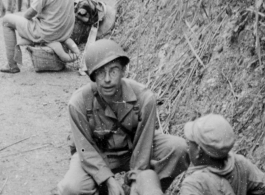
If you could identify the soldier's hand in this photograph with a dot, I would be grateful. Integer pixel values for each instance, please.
(114, 187)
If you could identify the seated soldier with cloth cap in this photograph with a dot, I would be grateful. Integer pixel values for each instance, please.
(113, 124)
(214, 169)
(217, 170)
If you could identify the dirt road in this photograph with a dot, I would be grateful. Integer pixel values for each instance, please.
(34, 106)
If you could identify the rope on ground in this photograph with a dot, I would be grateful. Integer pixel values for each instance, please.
(14, 144)
(26, 151)
(3, 186)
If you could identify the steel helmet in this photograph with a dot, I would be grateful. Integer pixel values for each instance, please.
(102, 52)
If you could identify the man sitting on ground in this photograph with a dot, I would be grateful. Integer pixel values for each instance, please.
(214, 170)
(113, 123)
(217, 170)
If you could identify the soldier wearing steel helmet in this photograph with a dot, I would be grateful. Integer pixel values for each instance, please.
(113, 124)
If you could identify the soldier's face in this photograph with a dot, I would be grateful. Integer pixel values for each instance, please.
(108, 78)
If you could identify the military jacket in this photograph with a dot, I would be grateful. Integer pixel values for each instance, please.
(137, 114)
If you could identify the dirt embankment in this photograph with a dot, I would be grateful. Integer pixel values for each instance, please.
(197, 57)
(201, 57)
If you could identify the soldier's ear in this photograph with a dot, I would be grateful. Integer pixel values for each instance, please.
(123, 69)
(200, 153)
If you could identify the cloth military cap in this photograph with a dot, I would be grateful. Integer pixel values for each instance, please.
(213, 133)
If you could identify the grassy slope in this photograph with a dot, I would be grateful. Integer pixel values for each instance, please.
(199, 57)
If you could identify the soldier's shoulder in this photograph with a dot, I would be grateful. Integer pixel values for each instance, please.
(133, 82)
(240, 158)
(77, 97)
(137, 87)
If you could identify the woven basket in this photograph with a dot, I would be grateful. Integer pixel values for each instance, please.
(44, 59)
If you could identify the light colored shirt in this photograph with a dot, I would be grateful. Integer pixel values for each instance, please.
(54, 21)
(239, 176)
(137, 114)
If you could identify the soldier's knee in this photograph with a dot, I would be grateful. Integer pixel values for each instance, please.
(75, 188)
(147, 182)
(7, 19)
(68, 189)
(147, 175)
(177, 144)
(181, 150)
(182, 145)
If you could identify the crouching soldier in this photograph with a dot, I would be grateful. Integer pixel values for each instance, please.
(113, 125)
(217, 170)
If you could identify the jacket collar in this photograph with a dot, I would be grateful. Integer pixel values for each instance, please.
(229, 166)
(128, 94)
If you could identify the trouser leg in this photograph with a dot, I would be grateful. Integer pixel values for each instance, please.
(10, 6)
(144, 183)
(170, 157)
(11, 23)
(10, 40)
(19, 5)
(28, 5)
(2, 9)
(76, 181)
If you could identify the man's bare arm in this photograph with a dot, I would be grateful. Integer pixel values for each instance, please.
(30, 13)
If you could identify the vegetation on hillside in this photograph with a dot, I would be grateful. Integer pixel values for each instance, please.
(200, 56)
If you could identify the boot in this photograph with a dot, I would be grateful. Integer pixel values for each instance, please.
(8, 69)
